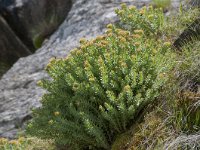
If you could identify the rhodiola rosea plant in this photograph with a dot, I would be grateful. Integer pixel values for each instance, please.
(97, 91)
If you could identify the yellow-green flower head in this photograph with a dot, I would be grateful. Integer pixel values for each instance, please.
(154, 51)
(109, 26)
(123, 33)
(83, 47)
(14, 142)
(91, 79)
(120, 12)
(79, 52)
(137, 44)
(151, 16)
(130, 16)
(73, 52)
(116, 10)
(50, 122)
(167, 44)
(150, 7)
(110, 34)
(123, 6)
(108, 31)
(57, 113)
(68, 57)
(3, 141)
(100, 37)
(75, 49)
(133, 57)
(139, 31)
(123, 64)
(100, 60)
(99, 45)
(138, 49)
(136, 36)
(132, 8)
(107, 55)
(86, 64)
(162, 75)
(143, 10)
(39, 83)
(83, 40)
(122, 39)
(104, 42)
(52, 60)
(21, 139)
(127, 88)
(75, 86)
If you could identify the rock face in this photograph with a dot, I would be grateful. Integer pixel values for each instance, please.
(195, 3)
(33, 20)
(11, 47)
(188, 35)
(18, 90)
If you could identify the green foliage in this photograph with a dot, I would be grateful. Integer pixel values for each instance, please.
(162, 3)
(3, 68)
(179, 21)
(26, 143)
(151, 133)
(187, 112)
(37, 41)
(149, 19)
(187, 108)
(98, 90)
(189, 62)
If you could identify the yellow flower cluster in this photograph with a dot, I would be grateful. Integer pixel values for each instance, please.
(50, 122)
(3, 141)
(57, 113)
(136, 36)
(83, 40)
(137, 44)
(127, 88)
(139, 32)
(132, 8)
(14, 142)
(123, 6)
(109, 26)
(167, 44)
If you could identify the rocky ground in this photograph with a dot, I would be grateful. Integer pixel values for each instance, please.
(18, 90)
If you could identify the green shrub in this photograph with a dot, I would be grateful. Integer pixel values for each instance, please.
(149, 19)
(98, 90)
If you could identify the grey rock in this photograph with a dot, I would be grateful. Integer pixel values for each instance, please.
(34, 20)
(11, 48)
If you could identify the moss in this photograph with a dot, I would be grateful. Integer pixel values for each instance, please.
(122, 141)
(37, 41)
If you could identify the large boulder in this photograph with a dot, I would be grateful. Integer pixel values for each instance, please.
(11, 47)
(190, 34)
(34, 20)
(195, 3)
